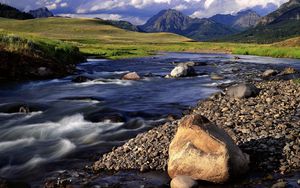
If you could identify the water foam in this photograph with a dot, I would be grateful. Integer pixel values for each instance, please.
(105, 82)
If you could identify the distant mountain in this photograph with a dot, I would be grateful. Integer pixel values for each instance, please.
(123, 25)
(241, 21)
(169, 20)
(175, 22)
(264, 10)
(279, 25)
(283, 9)
(13, 13)
(41, 13)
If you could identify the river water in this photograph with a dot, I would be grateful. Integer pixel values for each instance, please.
(67, 120)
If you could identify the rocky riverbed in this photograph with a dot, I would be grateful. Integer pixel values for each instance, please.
(267, 127)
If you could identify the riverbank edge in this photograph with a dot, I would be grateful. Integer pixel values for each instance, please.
(269, 177)
(32, 58)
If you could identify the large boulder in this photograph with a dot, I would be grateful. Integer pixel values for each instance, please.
(131, 76)
(203, 151)
(244, 90)
(183, 70)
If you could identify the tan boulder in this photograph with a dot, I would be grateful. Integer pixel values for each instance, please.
(203, 151)
(131, 76)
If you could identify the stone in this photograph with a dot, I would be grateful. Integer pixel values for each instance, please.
(131, 76)
(44, 71)
(282, 184)
(215, 76)
(203, 151)
(182, 70)
(183, 182)
(269, 72)
(289, 70)
(243, 90)
(81, 79)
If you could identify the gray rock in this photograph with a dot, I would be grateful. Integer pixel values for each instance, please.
(182, 70)
(44, 71)
(244, 90)
(269, 72)
(183, 182)
(282, 184)
(131, 76)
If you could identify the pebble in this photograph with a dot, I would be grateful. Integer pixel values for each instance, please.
(265, 127)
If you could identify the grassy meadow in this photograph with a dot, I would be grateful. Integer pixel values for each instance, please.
(95, 38)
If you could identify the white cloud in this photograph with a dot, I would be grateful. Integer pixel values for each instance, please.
(64, 5)
(133, 20)
(180, 7)
(142, 9)
(52, 6)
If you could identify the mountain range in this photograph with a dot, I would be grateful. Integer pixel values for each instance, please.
(241, 21)
(11, 12)
(279, 25)
(41, 13)
(176, 22)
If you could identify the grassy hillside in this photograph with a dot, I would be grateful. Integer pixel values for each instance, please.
(93, 37)
(31, 57)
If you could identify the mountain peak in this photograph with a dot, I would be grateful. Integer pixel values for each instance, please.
(42, 12)
(168, 20)
(283, 9)
(240, 21)
(174, 21)
(247, 11)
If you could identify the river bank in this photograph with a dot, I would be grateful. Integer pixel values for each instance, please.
(266, 127)
(32, 58)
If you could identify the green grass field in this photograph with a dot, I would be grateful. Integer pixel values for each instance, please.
(54, 50)
(95, 38)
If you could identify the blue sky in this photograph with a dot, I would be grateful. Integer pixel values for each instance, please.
(137, 11)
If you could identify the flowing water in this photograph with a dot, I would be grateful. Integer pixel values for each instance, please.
(67, 120)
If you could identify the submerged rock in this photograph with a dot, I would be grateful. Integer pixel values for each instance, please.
(215, 76)
(289, 70)
(183, 70)
(269, 72)
(131, 76)
(81, 79)
(183, 182)
(203, 151)
(22, 108)
(244, 90)
(44, 72)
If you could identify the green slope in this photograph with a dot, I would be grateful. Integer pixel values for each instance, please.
(24, 58)
(95, 38)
